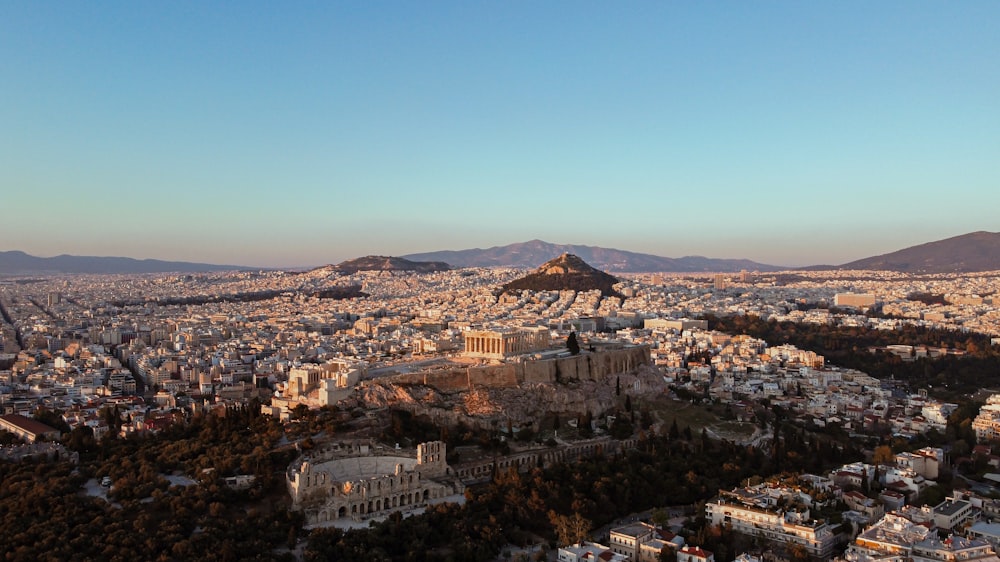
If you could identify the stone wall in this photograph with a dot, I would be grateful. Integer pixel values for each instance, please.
(482, 470)
(587, 365)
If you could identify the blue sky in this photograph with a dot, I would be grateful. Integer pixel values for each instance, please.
(281, 134)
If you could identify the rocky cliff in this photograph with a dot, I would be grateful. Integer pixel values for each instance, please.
(486, 396)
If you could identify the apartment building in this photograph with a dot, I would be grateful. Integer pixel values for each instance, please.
(749, 513)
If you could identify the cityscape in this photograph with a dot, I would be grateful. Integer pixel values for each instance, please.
(377, 392)
(560, 282)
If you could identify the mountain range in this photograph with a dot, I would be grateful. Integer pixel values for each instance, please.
(536, 252)
(20, 263)
(976, 251)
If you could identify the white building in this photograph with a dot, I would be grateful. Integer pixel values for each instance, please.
(751, 512)
(694, 554)
(987, 423)
(953, 549)
(589, 552)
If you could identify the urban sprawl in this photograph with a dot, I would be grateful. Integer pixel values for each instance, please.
(159, 349)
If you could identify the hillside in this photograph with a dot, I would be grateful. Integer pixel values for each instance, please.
(976, 251)
(566, 272)
(20, 263)
(386, 263)
(536, 252)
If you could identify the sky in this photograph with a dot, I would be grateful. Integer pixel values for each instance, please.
(291, 134)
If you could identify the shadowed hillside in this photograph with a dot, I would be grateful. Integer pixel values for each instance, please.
(567, 272)
(977, 251)
(385, 263)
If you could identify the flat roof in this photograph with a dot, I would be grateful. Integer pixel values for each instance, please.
(633, 529)
(951, 507)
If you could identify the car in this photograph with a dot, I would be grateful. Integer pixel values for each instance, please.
(106, 481)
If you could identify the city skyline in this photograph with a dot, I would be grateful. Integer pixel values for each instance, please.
(278, 137)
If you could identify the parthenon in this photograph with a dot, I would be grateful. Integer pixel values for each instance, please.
(499, 344)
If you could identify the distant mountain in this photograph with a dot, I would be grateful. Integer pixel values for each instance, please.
(536, 252)
(386, 263)
(977, 251)
(564, 273)
(20, 263)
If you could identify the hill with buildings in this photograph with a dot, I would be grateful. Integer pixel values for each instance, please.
(387, 263)
(536, 252)
(566, 272)
(976, 251)
(20, 263)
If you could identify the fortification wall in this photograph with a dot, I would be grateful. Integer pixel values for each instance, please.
(446, 380)
(593, 366)
(482, 470)
(500, 376)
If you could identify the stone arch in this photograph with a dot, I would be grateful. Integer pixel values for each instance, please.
(378, 505)
(342, 512)
(427, 494)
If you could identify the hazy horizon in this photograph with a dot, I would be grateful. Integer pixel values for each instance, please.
(296, 135)
(348, 257)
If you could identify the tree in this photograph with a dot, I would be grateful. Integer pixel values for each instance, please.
(883, 455)
(585, 423)
(571, 529)
(931, 495)
(572, 345)
(660, 517)
(52, 419)
(620, 428)
(674, 432)
(797, 552)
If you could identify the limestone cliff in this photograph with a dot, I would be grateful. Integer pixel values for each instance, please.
(487, 406)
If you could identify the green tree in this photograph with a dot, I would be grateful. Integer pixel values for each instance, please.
(52, 419)
(674, 431)
(660, 517)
